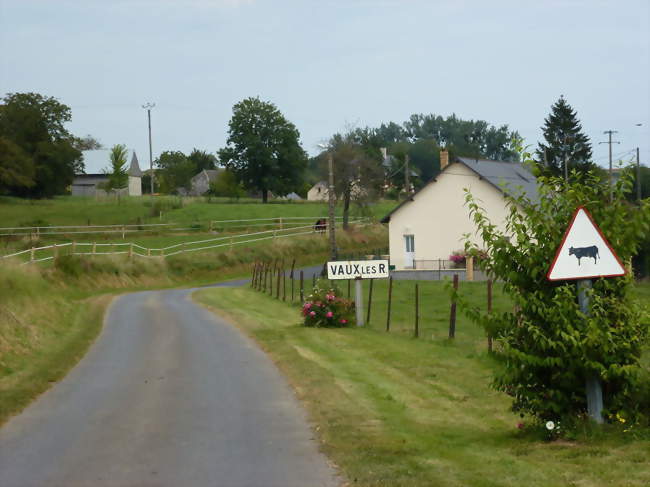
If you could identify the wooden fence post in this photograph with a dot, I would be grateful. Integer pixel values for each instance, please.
(390, 299)
(293, 264)
(302, 287)
(74, 247)
(469, 268)
(489, 309)
(94, 248)
(31, 255)
(131, 251)
(122, 233)
(416, 333)
(369, 303)
(56, 251)
(452, 314)
(284, 284)
(148, 252)
(313, 281)
(348, 288)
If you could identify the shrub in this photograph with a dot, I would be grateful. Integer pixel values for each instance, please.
(324, 308)
(547, 345)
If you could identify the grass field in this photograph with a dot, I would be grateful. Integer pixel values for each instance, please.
(397, 411)
(76, 210)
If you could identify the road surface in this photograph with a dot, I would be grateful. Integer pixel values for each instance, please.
(169, 395)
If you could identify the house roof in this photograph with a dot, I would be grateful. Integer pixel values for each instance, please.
(212, 173)
(511, 178)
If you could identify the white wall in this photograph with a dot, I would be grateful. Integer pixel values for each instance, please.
(135, 186)
(438, 216)
(315, 195)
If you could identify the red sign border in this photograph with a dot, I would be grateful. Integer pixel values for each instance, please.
(566, 234)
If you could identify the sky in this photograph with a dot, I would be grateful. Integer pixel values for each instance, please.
(329, 65)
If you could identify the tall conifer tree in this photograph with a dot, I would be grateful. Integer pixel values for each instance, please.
(564, 140)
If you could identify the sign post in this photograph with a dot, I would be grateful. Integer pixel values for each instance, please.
(358, 270)
(583, 255)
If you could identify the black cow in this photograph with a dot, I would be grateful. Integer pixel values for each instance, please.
(581, 252)
(320, 225)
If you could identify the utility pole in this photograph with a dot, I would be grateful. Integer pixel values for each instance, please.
(330, 199)
(407, 180)
(148, 106)
(638, 176)
(611, 177)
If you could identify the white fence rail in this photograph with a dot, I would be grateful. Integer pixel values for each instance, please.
(133, 249)
(123, 229)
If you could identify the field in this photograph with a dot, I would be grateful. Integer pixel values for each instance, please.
(397, 411)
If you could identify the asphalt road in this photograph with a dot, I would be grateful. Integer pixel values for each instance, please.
(169, 395)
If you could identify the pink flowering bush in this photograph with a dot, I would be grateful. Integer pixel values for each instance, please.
(458, 257)
(324, 307)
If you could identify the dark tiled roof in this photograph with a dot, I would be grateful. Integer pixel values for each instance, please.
(134, 169)
(511, 178)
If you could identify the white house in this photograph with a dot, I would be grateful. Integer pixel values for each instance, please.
(97, 166)
(318, 192)
(428, 227)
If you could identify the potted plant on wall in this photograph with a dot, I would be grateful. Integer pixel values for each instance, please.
(457, 259)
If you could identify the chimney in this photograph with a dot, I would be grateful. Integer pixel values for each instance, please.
(444, 158)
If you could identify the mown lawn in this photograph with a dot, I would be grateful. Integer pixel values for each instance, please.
(397, 411)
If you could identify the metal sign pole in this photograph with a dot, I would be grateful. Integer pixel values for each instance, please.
(593, 386)
(358, 301)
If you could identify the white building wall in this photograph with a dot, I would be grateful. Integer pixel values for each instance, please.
(135, 186)
(438, 217)
(317, 193)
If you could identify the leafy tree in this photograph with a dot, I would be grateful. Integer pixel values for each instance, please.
(176, 171)
(86, 143)
(564, 141)
(16, 167)
(118, 177)
(548, 346)
(227, 185)
(263, 149)
(472, 138)
(36, 125)
(202, 160)
(357, 175)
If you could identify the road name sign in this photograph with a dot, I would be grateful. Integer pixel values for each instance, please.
(584, 252)
(357, 269)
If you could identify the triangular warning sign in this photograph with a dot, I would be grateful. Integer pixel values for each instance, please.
(584, 252)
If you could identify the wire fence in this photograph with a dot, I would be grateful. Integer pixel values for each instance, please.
(35, 254)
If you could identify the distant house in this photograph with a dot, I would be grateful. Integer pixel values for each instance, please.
(97, 166)
(200, 184)
(427, 228)
(291, 197)
(318, 192)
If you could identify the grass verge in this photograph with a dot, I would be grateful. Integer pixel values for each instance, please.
(391, 410)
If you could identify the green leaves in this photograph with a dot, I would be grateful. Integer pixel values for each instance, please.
(263, 149)
(548, 346)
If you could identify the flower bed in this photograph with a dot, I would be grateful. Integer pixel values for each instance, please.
(325, 308)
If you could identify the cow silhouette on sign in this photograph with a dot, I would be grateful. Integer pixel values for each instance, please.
(580, 252)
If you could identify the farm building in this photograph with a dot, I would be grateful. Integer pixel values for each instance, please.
(427, 228)
(97, 165)
(318, 192)
(201, 182)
